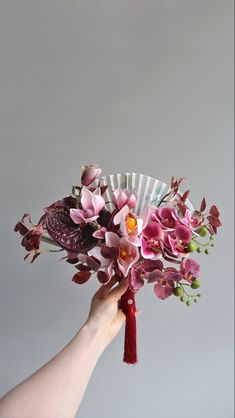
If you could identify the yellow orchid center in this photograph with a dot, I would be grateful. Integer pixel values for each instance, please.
(131, 223)
(123, 254)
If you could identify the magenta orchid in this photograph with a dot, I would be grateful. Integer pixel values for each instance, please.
(150, 241)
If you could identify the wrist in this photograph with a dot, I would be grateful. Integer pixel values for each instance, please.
(94, 337)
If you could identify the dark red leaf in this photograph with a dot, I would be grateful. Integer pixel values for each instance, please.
(35, 256)
(203, 205)
(82, 267)
(214, 221)
(93, 263)
(72, 260)
(21, 228)
(214, 211)
(109, 252)
(102, 277)
(81, 277)
(185, 195)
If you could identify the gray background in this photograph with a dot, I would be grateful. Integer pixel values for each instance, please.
(142, 86)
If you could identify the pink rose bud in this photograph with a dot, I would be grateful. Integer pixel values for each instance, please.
(90, 173)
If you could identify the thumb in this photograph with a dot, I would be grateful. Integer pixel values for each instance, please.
(119, 290)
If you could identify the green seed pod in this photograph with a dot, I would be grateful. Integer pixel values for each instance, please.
(195, 284)
(183, 298)
(207, 251)
(192, 246)
(199, 249)
(202, 231)
(178, 291)
(188, 303)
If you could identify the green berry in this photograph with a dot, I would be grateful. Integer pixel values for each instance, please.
(199, 295)
(183, 298)
(199, 249)
(207, 251)
(195, 284)
(188, 303)
(202, 231)
(192, 246)
(178, 291)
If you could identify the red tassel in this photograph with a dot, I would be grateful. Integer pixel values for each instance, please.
(129, 309)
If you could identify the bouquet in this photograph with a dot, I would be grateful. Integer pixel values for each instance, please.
(127, 225)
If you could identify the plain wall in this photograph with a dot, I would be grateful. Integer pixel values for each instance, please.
(143, 86)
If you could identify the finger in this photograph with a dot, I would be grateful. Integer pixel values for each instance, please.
(119, 290)
(105, 288)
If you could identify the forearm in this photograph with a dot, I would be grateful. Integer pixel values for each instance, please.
(56, 389)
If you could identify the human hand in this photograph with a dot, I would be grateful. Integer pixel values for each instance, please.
(105, 315)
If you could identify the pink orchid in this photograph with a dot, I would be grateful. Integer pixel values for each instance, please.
(150, 241)
(100, 233)
(118, 250)
(189, 269)
(130, 225)
(90, 174)
(124, 197)
(140, 271)
(137, 276)
(178, 243)
(167, 216)
(192, 219)
(91, 207)
(164, 281)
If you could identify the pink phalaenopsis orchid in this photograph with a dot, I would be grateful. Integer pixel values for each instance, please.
(190, 269)
(91, 207)
(150, 241)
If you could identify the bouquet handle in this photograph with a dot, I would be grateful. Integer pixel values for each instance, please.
(127, 304)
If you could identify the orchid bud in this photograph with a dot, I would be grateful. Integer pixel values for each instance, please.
(192, 246)
(207, 251)
(183, 298)
(195, 284)
(178, 291)
(202, 231)
(89, 174)
(188, 303)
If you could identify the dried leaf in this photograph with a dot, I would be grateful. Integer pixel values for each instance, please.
(203, 205)
(81, 277)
